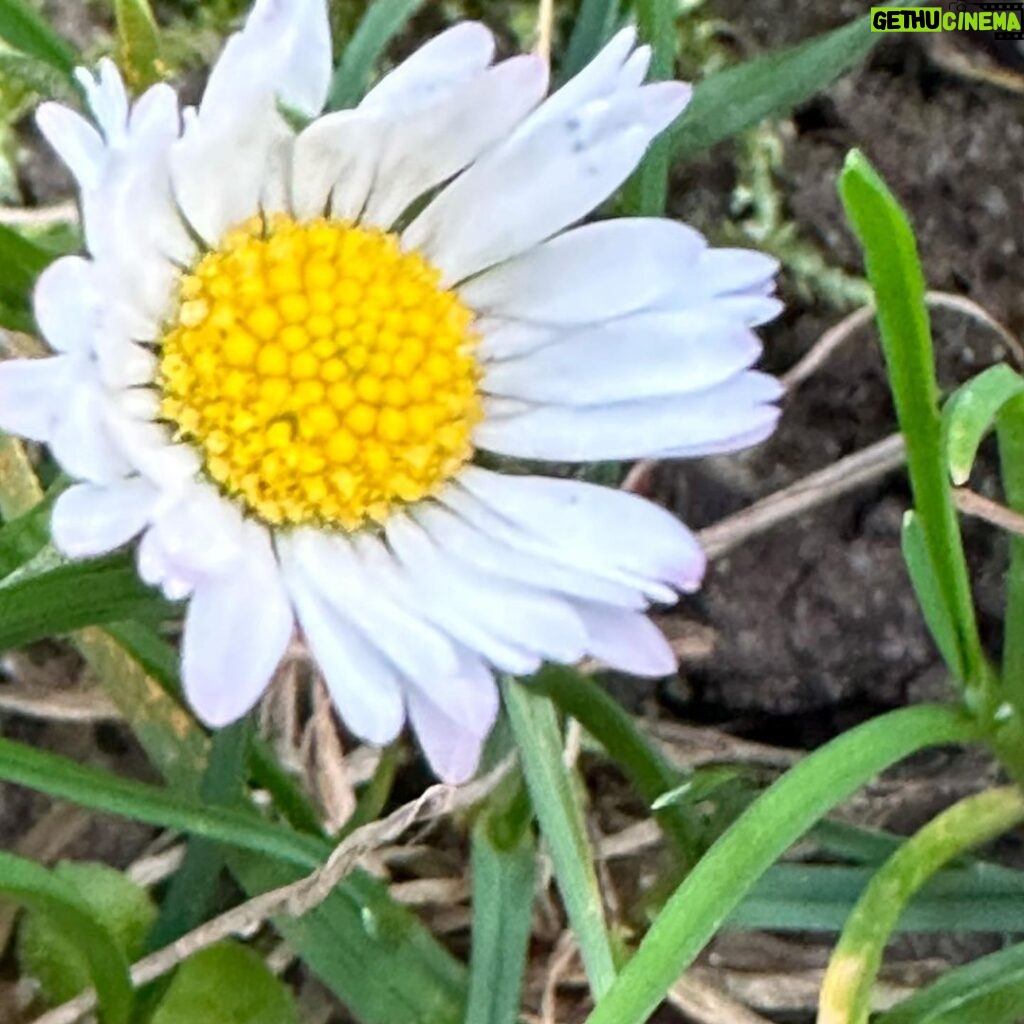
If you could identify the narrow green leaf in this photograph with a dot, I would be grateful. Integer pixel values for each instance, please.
(651, 774)
(138, 43)
(23, 538)
(647, 192)
(74, 596)
(503, 880)
(193, 887)
(383, 20)
(930, 596)
(98, 790)
(226, 984)
(590, 31)
(728, 102)
(23, 29)
(765, 830)
(819, 897)
(22, 261)
(857, 957)
(1010, 433)
(963, 993)
(972, 412)
(894, 270)
(539, 740)
(44, 893)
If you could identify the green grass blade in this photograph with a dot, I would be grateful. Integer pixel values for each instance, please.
(647, 191)
(1010, 432)
(590, 31)
(73, 596)
(22, 28)
(384, 19)
(938, 616)
(651, 774)
(22, 261)
(972, 412)
(857, 957)
(64, 779)
(894, 270)
(963, 994)
(193, 887)
(539, 741)
(503, 881)
(765, 830)
(23, 538)
(819, 897)
(43, 893)
(730, 101)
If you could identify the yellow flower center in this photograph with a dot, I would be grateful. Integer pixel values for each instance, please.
(322, 372)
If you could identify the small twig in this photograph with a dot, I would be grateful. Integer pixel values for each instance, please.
(58, 705)
(299, 897)
(39, 216)
(822, 350)
(973, 504)
(826, 485)
(708, 1005)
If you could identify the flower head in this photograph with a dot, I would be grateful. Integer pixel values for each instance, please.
(286, 347)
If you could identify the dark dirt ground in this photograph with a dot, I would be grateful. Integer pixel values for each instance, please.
(815, 625)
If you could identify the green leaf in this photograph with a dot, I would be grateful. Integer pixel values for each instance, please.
(964, 995)
(29, 32)
(652, 775)
(503, 881)
(226, 984)
(75, 595)
(728, 102)
(539, 740)
(50, 955)
(23, 261)
(37, 77)
(894, 270)
(819, 897)
(761, 834)
(857, 957)
(383, 20)
(647, 192)
(138, 43)
(42, 892)
(1010, 432)
(23, 538)
(930, 596)
(591, 29)
(971, 412)
(64, 779)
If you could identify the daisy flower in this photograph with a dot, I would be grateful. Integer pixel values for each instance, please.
(295, 333)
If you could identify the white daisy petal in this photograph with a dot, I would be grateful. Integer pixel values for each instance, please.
(32, 393)
(627, 641)
(331, 565)
(283, 53)
(81, 440)
(200, 534)
(426, 150)
(599, 79)
(68, 302)
(486, 552)
(89, 520)
(733, 443)
(648, 355)
(363, 684)
(452, 750)
(592, 273)
(449, 59)
(635, 429)
(75, 141)
(513, 627)
(107, 98)
(237, 627)
(606, 526)
(561, 162)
